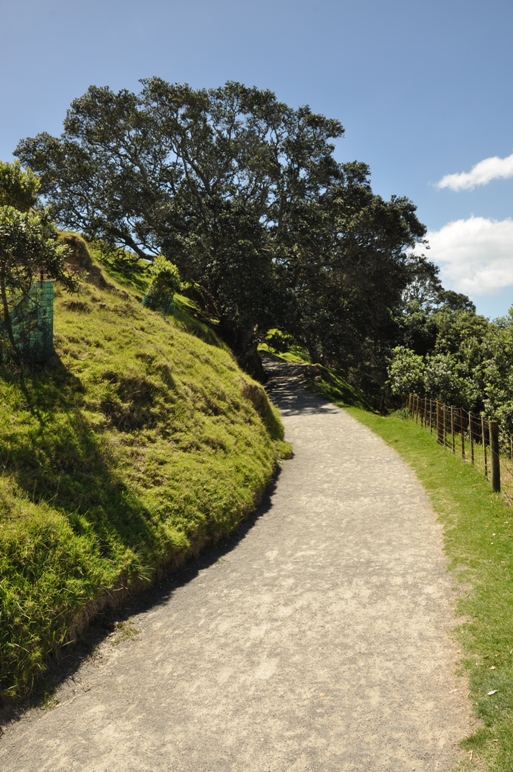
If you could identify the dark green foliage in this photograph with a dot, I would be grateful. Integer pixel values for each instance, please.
(244, 195)
(457, 356)
(350, 269)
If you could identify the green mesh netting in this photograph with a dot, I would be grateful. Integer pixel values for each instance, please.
(32, 324)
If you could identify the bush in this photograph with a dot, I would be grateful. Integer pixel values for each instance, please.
(165, 282)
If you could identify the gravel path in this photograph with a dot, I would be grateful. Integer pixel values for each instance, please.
(318, 640)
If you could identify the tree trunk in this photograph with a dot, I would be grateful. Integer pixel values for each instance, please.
(7, 319)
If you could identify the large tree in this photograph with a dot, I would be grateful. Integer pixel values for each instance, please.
(350, 267)
(244, 194)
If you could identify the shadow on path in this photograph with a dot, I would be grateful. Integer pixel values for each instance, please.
(286, 388)
(291, 398)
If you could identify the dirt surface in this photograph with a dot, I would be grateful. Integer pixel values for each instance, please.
(317, 639)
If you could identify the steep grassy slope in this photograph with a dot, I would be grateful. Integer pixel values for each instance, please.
(135, 446)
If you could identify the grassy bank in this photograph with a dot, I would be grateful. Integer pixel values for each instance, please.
(134, 447)
(478, 535)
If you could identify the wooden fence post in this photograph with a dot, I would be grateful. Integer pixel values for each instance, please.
(495, 463)
(483, 436)
(422, 408)
(439, 425)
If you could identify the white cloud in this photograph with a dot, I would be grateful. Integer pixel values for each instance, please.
(481, 174)
(475, 255)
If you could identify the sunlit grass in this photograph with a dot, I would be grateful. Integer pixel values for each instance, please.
(138, 444)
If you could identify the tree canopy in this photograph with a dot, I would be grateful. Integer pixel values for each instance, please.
(243, 193)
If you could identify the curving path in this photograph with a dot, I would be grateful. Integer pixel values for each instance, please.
(318, 640)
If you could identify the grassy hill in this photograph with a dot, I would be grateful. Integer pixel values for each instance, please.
(138, 444)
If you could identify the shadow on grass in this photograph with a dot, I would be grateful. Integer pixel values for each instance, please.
(56, 457)
(65, 663)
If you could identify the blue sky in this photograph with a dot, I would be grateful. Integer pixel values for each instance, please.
(423, 89)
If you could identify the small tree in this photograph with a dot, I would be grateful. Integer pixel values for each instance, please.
(28, 247)
(164, 284)
(406, 372)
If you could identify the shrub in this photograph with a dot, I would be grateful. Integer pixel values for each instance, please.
(165, 282)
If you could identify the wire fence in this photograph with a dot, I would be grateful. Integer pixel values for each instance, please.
(477, 439)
